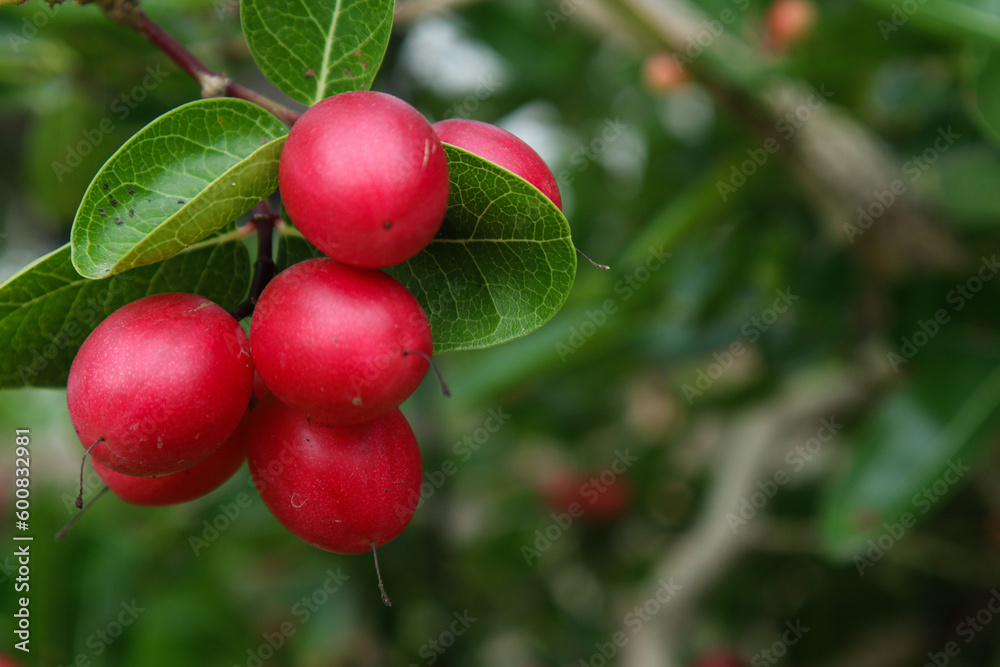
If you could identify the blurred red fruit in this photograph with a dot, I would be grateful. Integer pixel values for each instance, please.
(788, 22)
(662, 73)
(601, 496)
(721, 658)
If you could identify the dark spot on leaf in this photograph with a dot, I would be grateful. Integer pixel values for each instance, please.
(118, 221)
(310, 73)
(101, 211)
(106, 186)
(114, 202)
(180, 201)
(131, 191)
(131, 213)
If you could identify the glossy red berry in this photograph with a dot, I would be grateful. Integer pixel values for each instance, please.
(180, 487)
(162, 382)
(502, 148)
(364, 178)
(339, 488)
(339, 343)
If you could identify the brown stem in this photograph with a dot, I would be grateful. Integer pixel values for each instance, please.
(83, 462)
(213, 84)
(264, 218)
(385, 598)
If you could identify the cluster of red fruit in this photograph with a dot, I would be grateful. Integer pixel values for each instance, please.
(160, 393)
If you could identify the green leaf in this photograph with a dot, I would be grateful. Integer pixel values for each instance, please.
(47, 309)
(292, 249)
(312, 50)
(912, 450)
(184, 176)
(502, 264)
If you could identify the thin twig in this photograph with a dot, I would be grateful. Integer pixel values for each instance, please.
(64, 531)
(213, 84)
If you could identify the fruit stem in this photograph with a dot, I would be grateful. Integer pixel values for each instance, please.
(602, 267)
(83, 462)
(263, 218)
(385, 598)
(213, 84)
(65, 529)
(437, 372)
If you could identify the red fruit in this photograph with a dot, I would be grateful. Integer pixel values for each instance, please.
(180, 487)
(599, 499)
(339, 343)
(720, 658)
(336, 487)
(662, 73)
(788, 22)
(163, 380)
(260, 389)
(7, 661)
(364, 178)
(502, 148)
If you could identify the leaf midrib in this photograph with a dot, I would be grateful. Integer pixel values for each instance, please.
(330, 38)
